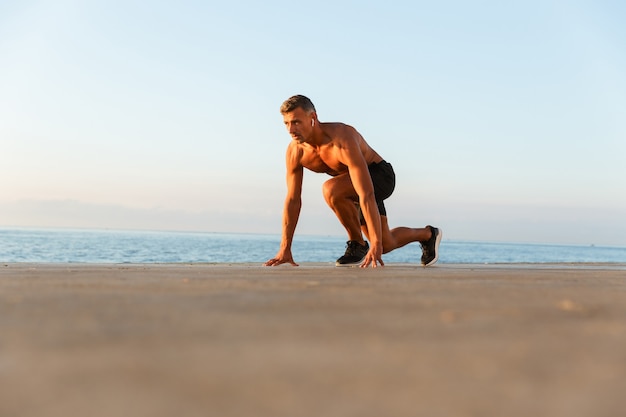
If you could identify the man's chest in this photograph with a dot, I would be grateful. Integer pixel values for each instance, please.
(322, 160)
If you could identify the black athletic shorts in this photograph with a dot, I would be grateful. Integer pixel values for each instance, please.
(384, 180)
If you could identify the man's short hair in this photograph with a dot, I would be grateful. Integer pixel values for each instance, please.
(294, 102)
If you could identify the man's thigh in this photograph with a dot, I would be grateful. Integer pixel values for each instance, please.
(340, 186)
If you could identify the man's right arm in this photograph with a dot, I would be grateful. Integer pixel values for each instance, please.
(293, 204)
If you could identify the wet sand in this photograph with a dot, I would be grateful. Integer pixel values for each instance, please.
(244, 340)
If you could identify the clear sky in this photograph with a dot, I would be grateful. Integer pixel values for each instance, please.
(505, 121)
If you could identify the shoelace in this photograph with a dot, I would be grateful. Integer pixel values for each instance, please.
(352, 247)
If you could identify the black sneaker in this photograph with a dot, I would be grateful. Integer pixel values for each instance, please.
(355, 254)
(430, 248)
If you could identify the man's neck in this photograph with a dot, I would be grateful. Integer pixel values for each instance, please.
(318, 137)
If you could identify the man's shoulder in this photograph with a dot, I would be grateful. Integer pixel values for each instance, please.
(340, 131)
(294, 148)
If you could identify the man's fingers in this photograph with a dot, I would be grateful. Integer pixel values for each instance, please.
(276, 262)
(372, 262)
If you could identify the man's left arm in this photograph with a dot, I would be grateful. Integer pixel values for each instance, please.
(362, 183)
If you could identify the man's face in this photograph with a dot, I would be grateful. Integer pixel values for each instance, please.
(299, 124)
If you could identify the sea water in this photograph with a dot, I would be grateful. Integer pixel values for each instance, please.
(114, 246)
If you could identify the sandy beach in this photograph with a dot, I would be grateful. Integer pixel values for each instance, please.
(245, 340)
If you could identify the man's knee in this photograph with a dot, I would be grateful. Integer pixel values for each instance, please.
(328, 189)
(333, 190)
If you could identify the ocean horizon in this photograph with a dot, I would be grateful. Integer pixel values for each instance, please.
(48, 245)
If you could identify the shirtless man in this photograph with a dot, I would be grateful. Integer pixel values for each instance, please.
(360, 181)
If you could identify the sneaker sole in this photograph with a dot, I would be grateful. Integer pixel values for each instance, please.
(350, 264)
(437, 241)
(347, 265)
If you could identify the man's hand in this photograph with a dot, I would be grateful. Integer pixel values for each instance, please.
(281, 258)
(373, 256)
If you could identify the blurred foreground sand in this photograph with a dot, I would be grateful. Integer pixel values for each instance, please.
(244, 340)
